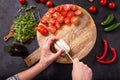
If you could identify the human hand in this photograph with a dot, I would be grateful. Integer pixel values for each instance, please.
(47, 56)
(81, 71)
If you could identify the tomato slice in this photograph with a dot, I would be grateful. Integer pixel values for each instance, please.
(75, 20)
(78, 12)
(42, 29)
(59, 8)
(56, 14)
(66, 20)
(48, 15)
(73, 8)
(51, 10)
(51, 21)
(52, 29)
(57, 24)
(60, 19)
(70, 14)
(43, 21)
(64, 13)
(67, 7)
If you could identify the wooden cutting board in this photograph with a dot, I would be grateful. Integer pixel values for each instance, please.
(80, 38)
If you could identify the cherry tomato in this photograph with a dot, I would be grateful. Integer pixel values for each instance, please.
(59, 8)
(43, 21)
(60, 19)
(64, 13)
(70, 13)
(78, 12)
(92, 9)
(56, 14)
(57, 24)
(111, 5)
(73, 8)
(51, 10)
(51, 21)
(42, 29)
(52, 29)
(43, 1)
(22, 1)
(48, 15)
(75, 20)
(103, 2)
(49, 3)
(66, 20)
(67, 7)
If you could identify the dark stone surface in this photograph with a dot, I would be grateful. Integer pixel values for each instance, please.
(10, 65)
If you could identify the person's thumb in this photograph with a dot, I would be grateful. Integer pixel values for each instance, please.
(59, 52)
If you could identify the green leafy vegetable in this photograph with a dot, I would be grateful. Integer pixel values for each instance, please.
(24, 27)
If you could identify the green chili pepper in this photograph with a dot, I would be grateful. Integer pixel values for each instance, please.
(108, 20)
(112, 27)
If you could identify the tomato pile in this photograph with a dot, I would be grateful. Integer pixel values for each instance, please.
(56, 17)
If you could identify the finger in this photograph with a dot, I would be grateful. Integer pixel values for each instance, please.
(51, 40)
(59, 52)
(76, 60)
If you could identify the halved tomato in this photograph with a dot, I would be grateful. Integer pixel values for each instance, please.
(42, 29)
(60, 19)
(52, 29)
(51, 21)
(66, 20)
(67, 7)
(57, 24)
(59, 8)
(48, 15)
(43, 21)
(51, 10)
(78, 12)
(75, 20)
(56, 14)
(63, 13)
(70, 13)
(73, 8)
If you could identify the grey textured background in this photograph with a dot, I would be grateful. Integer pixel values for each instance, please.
(10, 65)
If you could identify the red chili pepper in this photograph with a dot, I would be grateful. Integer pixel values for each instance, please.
(111, 60)
(105, 50)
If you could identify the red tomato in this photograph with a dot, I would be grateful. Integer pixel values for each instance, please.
(60, 19)
(22, 1)
(64, 13)
(49, 3)
(56, 14)
(59, 8)
(43, 1)
(66, 20)
(42, 29)
(48, 15)
(67, 7)
(103, 2)
(78, 12)
(51, 21)
(75, 20)
(57, 24)
(43, 21)
(70, 13)
(111, 5)
(51, 10)
(73, 8)
(52, 29)
(92, 9)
